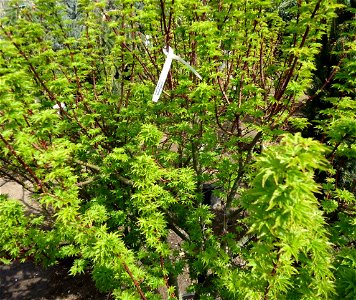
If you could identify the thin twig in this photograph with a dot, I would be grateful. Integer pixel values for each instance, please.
(136, 283)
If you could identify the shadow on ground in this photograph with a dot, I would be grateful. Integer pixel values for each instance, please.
(26, 281)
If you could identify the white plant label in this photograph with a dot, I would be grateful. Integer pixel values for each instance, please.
(164, 73)
(59, 107)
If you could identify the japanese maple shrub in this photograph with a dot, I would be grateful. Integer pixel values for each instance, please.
(114, 176)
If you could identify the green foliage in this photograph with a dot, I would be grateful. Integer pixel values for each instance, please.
(13, 228)
(338, 127)
(292, 249)
(346, 274)
(115, 177)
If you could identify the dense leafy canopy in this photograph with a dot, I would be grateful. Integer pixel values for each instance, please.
(114, 176)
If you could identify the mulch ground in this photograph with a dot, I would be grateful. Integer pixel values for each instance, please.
(26, 281)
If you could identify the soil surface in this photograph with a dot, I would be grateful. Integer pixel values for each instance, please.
(26, 281)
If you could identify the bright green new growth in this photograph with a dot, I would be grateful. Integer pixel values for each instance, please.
(291, 257)
(114, 176)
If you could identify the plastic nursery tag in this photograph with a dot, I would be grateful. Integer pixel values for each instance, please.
(164, 73)
(59, 107)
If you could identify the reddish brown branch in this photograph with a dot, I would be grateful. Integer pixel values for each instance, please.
(32, 68)
(172, 295)
(221, 86)
(273, 273)
(279, 93)
(22, 162)
(263, 81)
(136, 283)
(328, 80)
